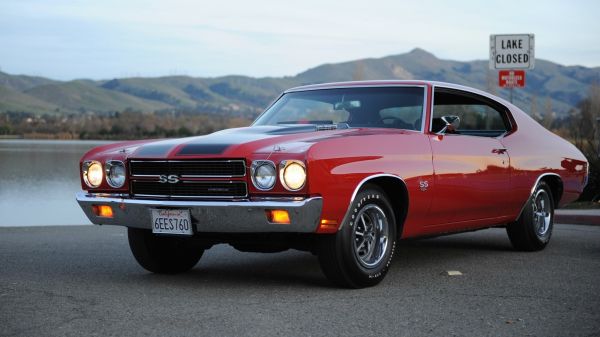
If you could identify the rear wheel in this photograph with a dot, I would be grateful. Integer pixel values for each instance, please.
(360, 253)
(533, 229)
(164, 254)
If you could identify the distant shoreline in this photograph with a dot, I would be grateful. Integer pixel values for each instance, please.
(57, 141)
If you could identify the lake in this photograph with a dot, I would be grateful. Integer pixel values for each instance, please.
(38, 182)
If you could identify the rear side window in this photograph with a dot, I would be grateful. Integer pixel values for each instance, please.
(478, 115)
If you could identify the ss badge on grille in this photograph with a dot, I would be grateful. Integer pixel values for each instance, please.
(171, 179)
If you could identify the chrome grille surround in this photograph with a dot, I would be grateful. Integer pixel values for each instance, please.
(188, 179)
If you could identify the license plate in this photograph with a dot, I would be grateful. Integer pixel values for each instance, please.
(171, 221)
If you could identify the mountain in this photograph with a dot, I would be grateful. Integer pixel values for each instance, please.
(549, 86)
(82, 95)
(12, 100)
(22, 82)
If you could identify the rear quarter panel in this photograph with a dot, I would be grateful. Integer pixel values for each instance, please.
(533, 151)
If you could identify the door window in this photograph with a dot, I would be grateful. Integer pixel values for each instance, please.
(478, 115)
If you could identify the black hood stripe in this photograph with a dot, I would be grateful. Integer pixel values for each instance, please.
(192, 149)
(218, 142)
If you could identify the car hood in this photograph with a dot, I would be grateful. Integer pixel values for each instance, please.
(238, 142)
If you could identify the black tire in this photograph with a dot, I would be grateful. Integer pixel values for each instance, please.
(339, 256)
(164, 254)
(533, 229)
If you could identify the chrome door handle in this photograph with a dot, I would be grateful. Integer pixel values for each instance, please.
(499, 151)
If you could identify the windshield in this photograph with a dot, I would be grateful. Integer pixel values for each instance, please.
(384, 107)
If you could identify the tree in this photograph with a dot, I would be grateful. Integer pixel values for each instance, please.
(585, 134)
(359, 71)
(548, 116)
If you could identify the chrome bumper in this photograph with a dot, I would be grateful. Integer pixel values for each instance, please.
(209, 216)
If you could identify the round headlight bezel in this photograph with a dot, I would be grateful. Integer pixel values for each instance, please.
(257, 167)
(115, 165)
(284, 166)
(86, 168)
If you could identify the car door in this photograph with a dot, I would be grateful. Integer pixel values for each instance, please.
(471, 166)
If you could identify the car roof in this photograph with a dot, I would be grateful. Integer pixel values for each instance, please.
(391, 83)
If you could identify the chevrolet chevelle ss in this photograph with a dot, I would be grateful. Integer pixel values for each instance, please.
(343, 170)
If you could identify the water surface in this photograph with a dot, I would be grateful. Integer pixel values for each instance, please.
(38, 182)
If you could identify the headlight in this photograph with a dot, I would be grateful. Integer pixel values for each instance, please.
(92, 173)
(292, 174)
(115, 173)
(263, 174)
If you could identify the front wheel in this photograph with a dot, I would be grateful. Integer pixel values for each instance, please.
(533, 229)
(164, 254)
(360, 253)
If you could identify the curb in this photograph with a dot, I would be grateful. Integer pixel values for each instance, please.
(577, 219)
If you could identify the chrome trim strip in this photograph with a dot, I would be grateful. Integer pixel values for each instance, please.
(587, 175)
(212, 182)
(190, 161)
(434, 86)
(533, 191)
(278, 198)
(209, 216)
(375, 84)
(424, 114)
(190, 197)
(200, 176)
(359, 186)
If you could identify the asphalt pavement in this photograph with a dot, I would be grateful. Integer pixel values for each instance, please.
(83, 281)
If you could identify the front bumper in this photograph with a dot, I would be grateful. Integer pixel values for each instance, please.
(209, 216)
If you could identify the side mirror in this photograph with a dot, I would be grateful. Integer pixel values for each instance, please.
(452, 123)
(346, 105)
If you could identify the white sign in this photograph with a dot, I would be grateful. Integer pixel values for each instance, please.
(512, 51)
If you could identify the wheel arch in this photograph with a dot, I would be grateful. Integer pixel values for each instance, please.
(396, 191)
(556, 188)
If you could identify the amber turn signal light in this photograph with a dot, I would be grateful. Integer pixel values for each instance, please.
(278, 216)
(104, 211)
(328, 226)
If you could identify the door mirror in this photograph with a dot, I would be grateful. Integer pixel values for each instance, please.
(451, 124)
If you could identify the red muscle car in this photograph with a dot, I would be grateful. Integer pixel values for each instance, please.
(343, 170)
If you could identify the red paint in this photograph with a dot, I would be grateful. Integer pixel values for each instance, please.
(470, 181)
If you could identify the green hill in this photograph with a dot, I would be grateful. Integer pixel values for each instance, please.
(84, 96)
(11, 100)
(563, 86)
(22, 82)
(549, 84)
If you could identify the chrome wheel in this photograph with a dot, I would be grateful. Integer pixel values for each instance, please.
(542, 212)
(370, 235)
(533, 228)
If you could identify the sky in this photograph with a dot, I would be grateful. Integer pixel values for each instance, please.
(110, 38)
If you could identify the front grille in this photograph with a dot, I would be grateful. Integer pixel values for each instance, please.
(189, 168)
(201, 179)
(186, 189)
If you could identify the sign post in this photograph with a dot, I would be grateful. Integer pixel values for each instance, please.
(598, 128)
(515, 53)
